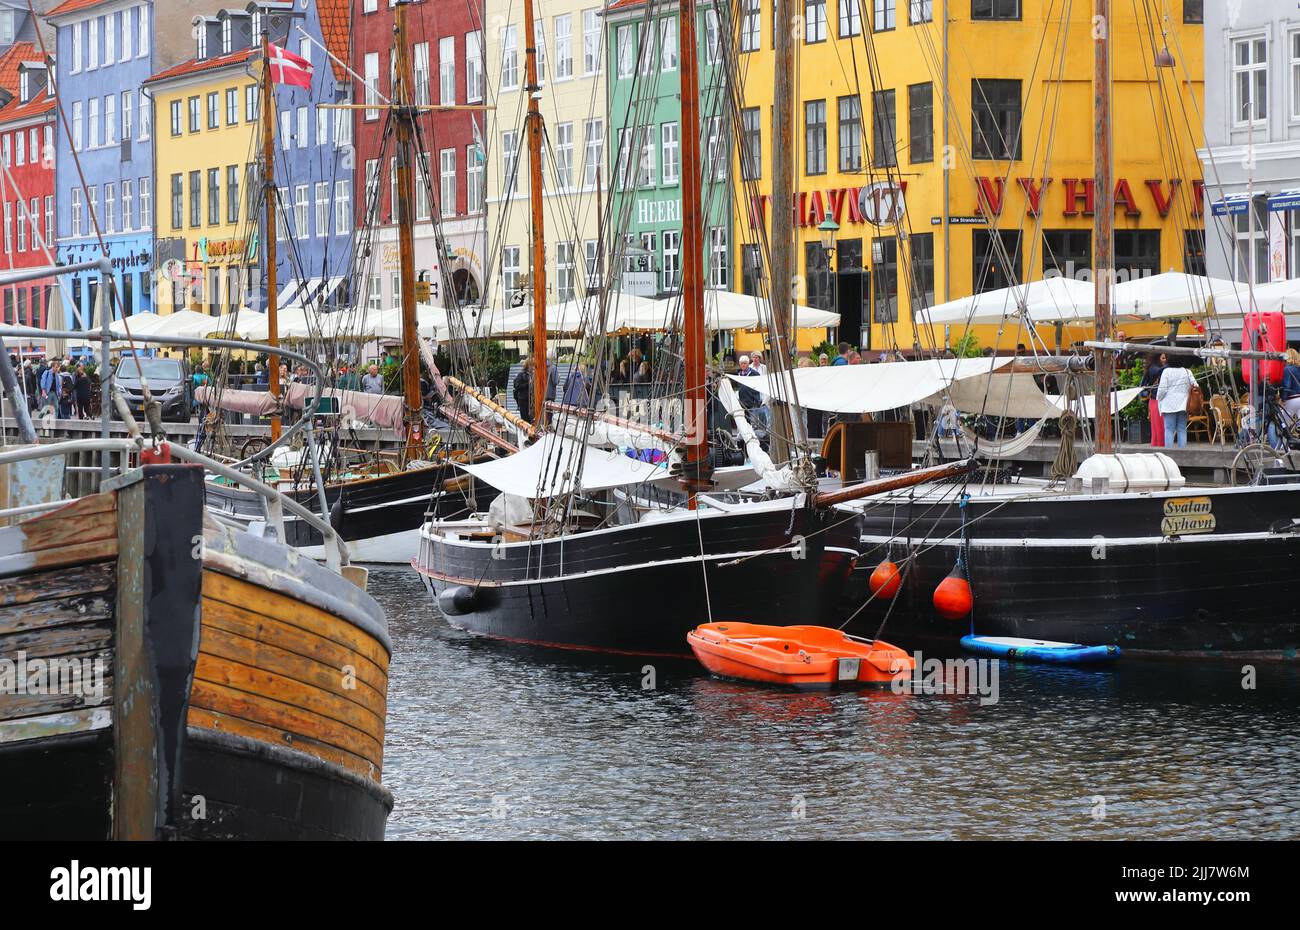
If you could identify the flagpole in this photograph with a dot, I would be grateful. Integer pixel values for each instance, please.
(268, 186)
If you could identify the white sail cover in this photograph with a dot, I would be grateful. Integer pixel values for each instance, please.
(548, 469)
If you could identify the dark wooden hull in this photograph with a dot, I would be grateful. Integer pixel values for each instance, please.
(639, 589)
(1100, 570)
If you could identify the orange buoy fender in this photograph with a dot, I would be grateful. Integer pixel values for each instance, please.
(953, 598)
(885, 580)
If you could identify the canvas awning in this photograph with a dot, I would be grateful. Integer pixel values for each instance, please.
(1235, 204)
(1286, 200)
(549, 468)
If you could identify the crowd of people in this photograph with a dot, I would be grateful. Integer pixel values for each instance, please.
(62, 387)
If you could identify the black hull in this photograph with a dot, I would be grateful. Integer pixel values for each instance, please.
(61, 789)
(1100, 571)
(638, 590)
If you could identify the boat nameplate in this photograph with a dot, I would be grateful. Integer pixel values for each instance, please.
(1184, 516)
(847, 669)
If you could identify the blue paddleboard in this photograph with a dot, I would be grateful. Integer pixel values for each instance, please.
(1039, 650)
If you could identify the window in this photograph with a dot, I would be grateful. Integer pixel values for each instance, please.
(146, 115)
(142, 46)
(1137, 254)
(49, 219)
(510, 162)
(74, 212)
(920, 11)
(624, 156)
(423, 188)
(814, 151)
(1194, 11)
(711, 36)
(850, 21)
(322, 209)
(1067, 253)
(447, 177)
(214, 113)
(591, 264)
(883, 16)
(342, 207)
(304, 128)
(995, 119)
(110, 208)
(716, 151)
(1249, 81)
(447, 70)
(302, 210)
(668, 44)
(420, 73)
(884, 280)
(232, 193)
(814, 16)
(850, 134)
(751, 270)
(593, 133)
(343, 124)
(178, 202)
(322, 125)
(196, 198)
(474, 67)
(1295, 75)
(995, 9)
(564, 270)
(127, 35)
(991, 251)
(751, 144)
(563, 47)
(920, 123)
(194, 113)
(214, 196)
(646, 165)
(647, 51)
(146, 203)
(76, 125)
(128, 204)
(672, 263)
(564, 155)
(22, 227)
(884, 133)
(539, 42)
(474, 190)
(719, 269)
(110, 119)
(371, 68)
(1250, 256)
(20, 148)
(626, 42)
(93, 138)
(110, 38)
(203, 40)
(76, 48)
(591, 44)
(509, 58)
(92, 45)
(286, 130)
(128, 109)
(922, 248)
(510, 269)
(671, 156)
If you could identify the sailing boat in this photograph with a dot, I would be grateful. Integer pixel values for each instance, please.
(540, 567)
(377, 514)
(1126, 554)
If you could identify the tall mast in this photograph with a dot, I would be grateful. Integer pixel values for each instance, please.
(534, 122)
(405, 113)
(782, 238)
(1103, 224)
(695, 471)
(268, 186)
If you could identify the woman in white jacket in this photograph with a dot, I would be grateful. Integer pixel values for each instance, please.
(1175, 386)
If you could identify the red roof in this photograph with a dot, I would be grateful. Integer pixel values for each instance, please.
(335, 25)
(200, 65)
(623, 4)
(12, 57)
(14, 111)
(71, 6)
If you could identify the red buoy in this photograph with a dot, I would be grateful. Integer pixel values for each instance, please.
(885, 580)
(952, 598)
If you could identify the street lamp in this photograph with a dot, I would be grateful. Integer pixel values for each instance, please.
(828, 228)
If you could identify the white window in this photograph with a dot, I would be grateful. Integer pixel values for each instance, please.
(1295, 75)
(110, 38)
(302, 210)
(372, 84)
(668, 44)
(20, 148)
(146, 203)
(127, 35)
(110, 208)
(9, 227)
(624, 156)
(343, 124)
(921, 11)
(146, 115)
(128, 205)
(591, 252)
(1249, 80)
(92, 44)
(6, 153)
(473, 179)
(539, 42)
(342, 207)
(563, 47)
(304, 45)
(375, 293)
(672, 258)
(474, 67)
(128, 111)
(92, 121)
(510, 162)
(423, 189)
(142, 47)
(672, 158)
(718, 261)
(646, 164)
(509, 269)
(626, 50)
(850, 18)
(564, 155)
(370, 6)
(447, 177)
(814, 20)
(110, 119)
(509, 58)
(883, 15)
(711, 35)
(322, 209)
(304, 128)
(322, 126)
(34, 207)
(74, 213)
(92, 205)
(372, 187)
(647, 50)
(420, 72)
(751, 25)
(591, 42)
(447, 70)
(22, 226)
(594, 139)
(1251, 260)
(564, 270)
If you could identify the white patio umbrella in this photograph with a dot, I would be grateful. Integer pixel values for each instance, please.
(727, 310)
(1052, 300)
(1172, 293)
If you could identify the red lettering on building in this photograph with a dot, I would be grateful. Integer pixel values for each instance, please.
(836, 199)
(1124, 195)
(1074, 196)
(801, 209)
(1198, 198)
(1034, 193)
(758, 210)
(855, 208)
(1157, 189)
(989, 196)
(816, 209)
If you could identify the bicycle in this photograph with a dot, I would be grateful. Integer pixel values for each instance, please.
(1275, 448)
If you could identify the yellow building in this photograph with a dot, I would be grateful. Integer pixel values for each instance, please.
(1003, 171)
(207, 141)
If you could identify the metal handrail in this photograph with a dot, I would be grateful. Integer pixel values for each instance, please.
(336, 552)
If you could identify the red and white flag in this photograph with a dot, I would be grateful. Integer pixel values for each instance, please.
(288, 68)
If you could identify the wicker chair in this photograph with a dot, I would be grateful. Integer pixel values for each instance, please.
(1225, 427)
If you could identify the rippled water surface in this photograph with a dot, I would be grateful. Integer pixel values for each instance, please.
(494, 741)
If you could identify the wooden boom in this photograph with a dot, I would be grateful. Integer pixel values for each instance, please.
(894, 483)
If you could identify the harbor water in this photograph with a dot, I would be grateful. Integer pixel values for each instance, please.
(488, 740)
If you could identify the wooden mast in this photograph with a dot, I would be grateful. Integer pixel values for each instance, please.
(1103, 225)
(538, 279)
(268, 186)
(405, 112)
(782, 238)
(696, 467)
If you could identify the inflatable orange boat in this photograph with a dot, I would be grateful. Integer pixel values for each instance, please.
(805, 657)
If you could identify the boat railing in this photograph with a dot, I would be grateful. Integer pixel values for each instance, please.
(336, 552)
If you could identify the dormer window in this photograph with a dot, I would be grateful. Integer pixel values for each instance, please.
(24, 87)
(203, 42)
(226, 36)
(257, 26)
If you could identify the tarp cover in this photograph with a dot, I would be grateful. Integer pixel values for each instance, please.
(548, 469)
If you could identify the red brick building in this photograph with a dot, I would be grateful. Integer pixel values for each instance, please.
(446, 51)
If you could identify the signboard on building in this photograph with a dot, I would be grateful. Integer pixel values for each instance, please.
(640, 283)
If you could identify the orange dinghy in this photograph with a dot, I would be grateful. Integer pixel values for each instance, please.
(806, 657)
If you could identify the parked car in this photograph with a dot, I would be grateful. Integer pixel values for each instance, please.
(169, 383)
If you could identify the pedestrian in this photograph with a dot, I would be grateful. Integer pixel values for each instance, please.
(1155, 366)
(199, 377)
(855, 358)
(756, 362)
(372, 382)
(66, 387)
(523, 390)
(1291, 386)
(1175, 388)
(31, 385)
(576, 387)
(843, 357)
(823, 360)
(750, 398)
(552, 376)
(81, 393)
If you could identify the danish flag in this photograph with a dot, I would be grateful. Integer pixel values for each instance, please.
(288, 68)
